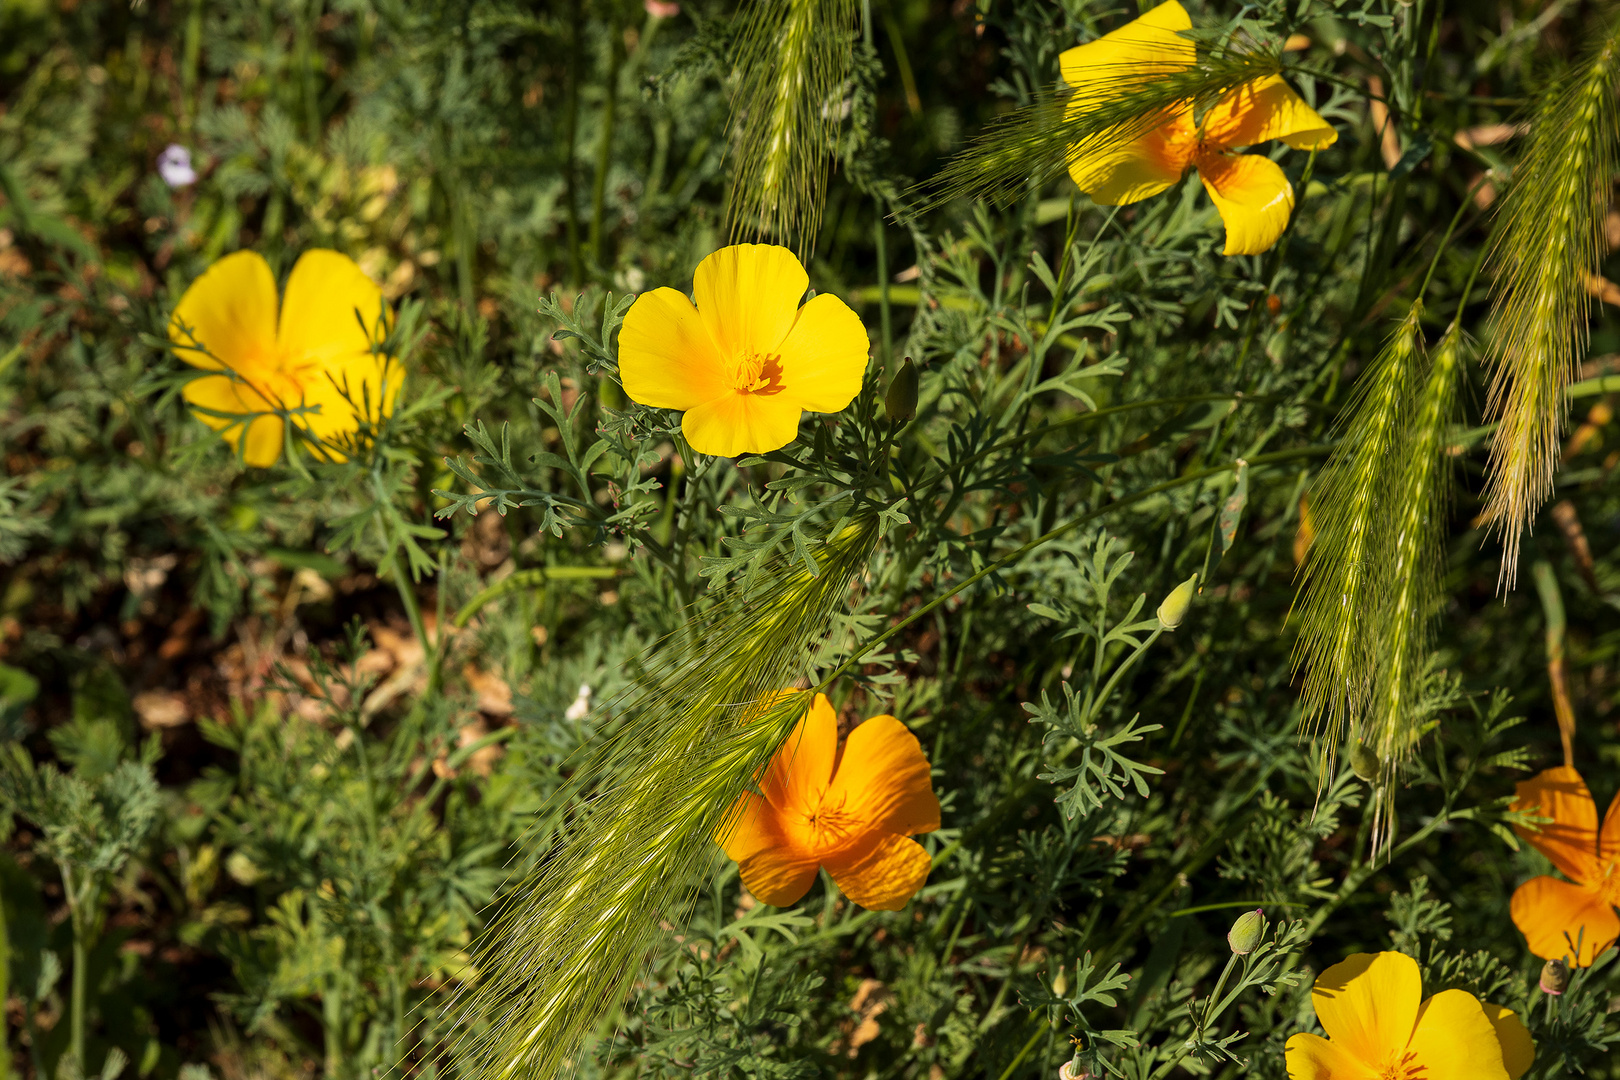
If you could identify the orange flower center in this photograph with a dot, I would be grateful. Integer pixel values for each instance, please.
(758, 373)
(829, 827)
(1403, 1068)
(1609, 884)
(280, 376)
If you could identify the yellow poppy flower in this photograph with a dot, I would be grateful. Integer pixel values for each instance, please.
(1379, 1029)
(1552, 913)
(311, 364)
(852, 809)
(1251, 193)
(747, 360)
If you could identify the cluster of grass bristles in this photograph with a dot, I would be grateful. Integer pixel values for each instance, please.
(792, 60)
(566, 945)
(1372, 579)
(1549, 241)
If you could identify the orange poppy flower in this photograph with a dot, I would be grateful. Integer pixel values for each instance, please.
(314, 364)
(1552, 913)
(1251, 193)
(850, 808)
(748, 360)
(1380, 1027)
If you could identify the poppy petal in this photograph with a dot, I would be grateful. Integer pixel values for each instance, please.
(799, 773)
(881, 872)
(883, 779)
(751, 827)
(1253, 196)
(824, 356)
(736, 423)
(231, 406)
(1546, 910)
(1570, 839)
(748, 296)
(1148, 45)
(1609, 837)
(1518, 1051)
(1115, 173)
(1311, 1057)
(1266, 109)
(359, 385)
(230, 311)
(1455, 1040)
(779, 875)
(331, 311)
(1368, 1003)
(667, 357)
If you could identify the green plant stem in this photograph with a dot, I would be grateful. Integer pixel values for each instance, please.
(884, 316)
(191, 58)
(1024, 1053)
(1434, 264)
(604, 143)
(576, 22)
(5, 989)
(81, 899)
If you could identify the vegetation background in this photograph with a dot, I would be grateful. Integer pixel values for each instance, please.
(276, 737)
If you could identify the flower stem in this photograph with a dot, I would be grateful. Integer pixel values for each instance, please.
(604, 143)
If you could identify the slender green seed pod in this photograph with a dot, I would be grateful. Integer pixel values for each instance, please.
(567, 943)
(1342, 593)
(1548, 241)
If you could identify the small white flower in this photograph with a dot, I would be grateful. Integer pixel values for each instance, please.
(174, 165)
(581, 705)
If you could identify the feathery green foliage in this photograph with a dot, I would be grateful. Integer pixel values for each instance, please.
(1344, 580)
(1035, 143)
(368, 696)
(1548, 241)
(568, 942)
(792, 60)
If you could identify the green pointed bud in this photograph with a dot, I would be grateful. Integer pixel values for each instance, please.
(901, 402)
(1554, 977)
(1174, 608)
(1365, 764)
(1245, 935)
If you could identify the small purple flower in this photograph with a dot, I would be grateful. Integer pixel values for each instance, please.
(174, 165)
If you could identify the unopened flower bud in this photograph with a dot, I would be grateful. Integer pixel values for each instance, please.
(1245, 935)
(1554, 977)
(1060, 983)
(1174, 607)
(1365, 764)
(1073, 1070)
(901, 401)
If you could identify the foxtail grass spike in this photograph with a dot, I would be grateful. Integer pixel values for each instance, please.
(1342, 591)
(1548, 241)
(566, 944)
(1037, 142)
(793, 60)
(1414, 555)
